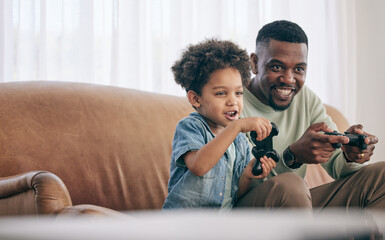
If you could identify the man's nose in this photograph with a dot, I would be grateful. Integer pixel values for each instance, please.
(287, 77)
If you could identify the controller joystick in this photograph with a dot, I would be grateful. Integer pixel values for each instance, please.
(262, 148)
(355, 139)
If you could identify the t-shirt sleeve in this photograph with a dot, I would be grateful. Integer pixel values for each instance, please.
(189, 136)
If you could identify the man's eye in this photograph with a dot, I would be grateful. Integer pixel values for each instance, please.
(299, 69)
(220, 93)
(239, 93)
(276, 68)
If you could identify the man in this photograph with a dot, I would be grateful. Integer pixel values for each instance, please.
(277, 92)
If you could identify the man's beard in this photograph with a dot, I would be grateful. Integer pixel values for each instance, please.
(276, 107)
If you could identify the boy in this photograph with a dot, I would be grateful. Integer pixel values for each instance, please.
(210, 162)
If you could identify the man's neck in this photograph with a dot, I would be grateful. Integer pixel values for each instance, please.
(256, 91)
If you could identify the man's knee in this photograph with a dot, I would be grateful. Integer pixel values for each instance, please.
(373, 172)
(288, 180)
(371, 185)
(375, 168)
(284, 190)
(292, 189)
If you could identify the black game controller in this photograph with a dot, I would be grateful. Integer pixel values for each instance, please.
(262, 148)
(354, 139)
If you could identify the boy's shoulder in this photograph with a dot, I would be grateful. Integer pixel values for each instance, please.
(193, 118)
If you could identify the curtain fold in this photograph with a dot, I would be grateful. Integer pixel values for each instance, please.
(133, 43)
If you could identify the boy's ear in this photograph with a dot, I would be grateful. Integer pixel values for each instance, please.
(254, 63)
(193, 98)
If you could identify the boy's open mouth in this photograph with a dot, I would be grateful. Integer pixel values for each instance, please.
(231, 114)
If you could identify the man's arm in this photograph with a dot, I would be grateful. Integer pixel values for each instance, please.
(314, 147)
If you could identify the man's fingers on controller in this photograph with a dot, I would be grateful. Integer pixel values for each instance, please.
(343, 139)
(324, 138)
(359, 131)
(358, 128)
(336, 139)
(317, 127)
(371, 140)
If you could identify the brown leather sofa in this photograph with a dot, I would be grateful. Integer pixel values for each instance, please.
(83, 148)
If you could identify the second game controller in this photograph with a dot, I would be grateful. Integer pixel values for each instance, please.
(263, 148)
(354, 139)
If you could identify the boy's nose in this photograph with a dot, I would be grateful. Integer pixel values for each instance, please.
(231, 100)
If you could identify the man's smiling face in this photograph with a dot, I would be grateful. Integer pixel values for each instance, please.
(280, 69)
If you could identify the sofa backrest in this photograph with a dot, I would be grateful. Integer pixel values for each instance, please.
(111, 146)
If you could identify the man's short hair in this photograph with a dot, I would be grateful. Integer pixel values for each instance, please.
(282, 30)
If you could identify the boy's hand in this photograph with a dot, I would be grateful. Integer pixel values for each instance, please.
(261, 126)
(267, 165)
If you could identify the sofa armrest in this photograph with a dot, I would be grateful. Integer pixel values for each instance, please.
(90, 210)
(37, 192)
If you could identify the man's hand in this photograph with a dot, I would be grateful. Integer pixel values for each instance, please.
(355, 154)
(314, 147)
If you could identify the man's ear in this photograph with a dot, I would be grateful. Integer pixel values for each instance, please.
(193, 98)
(254, 63)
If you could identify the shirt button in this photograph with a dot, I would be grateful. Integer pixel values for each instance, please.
(223, 179)
(235, 188)
(220, 194)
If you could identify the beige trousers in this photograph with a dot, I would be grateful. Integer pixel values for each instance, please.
(362, 189)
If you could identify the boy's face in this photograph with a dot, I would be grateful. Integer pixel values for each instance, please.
(221, 100)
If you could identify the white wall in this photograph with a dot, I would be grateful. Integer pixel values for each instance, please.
(370, 70)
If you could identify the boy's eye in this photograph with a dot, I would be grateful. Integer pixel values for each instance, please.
(220, 93)
(239, 93)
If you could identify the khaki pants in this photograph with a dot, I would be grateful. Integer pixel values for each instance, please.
(362, 189)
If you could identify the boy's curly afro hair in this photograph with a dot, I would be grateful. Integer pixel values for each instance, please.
(199, 61)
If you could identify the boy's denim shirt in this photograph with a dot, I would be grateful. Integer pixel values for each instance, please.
(186, 190)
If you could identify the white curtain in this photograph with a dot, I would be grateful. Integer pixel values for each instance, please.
(133, 43)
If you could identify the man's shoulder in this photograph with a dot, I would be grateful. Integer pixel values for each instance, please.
(306, 92)
(307, 98)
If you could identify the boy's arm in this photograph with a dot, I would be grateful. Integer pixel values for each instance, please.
(201, 161)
